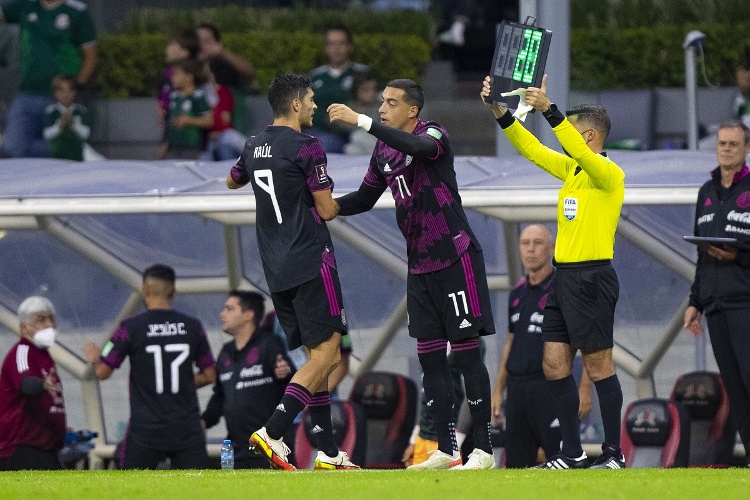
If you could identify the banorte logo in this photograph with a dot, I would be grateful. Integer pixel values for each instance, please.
(743, 200)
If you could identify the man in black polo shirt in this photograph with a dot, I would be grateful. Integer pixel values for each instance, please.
(252, 369)
(293, 200)
(163, 345)
(530, 421)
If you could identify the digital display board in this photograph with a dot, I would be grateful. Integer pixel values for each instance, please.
(520, 57)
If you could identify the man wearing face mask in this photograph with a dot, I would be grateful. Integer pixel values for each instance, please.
(32, 411)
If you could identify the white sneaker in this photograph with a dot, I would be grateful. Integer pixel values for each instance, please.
(478, 459)
(273, 449)
(437, 461)
(339, 462)
(454, 35)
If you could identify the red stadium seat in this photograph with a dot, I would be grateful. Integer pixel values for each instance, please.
(389, 401)
(712, 432)
(655, 433)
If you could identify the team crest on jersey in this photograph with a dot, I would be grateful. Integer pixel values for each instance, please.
(434, 133)
(408, 160)
(570, 208)
(62, 21)
(322, 174)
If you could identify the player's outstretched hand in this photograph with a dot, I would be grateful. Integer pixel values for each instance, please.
(342, 113)
(498, 111)
(537, 96)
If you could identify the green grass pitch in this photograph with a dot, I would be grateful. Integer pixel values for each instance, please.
(634, 484)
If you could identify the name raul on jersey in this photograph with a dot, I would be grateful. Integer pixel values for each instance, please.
(166, 330)
(263, 151)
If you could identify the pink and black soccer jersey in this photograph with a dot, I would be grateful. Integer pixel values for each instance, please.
(163, 345)
(428, 205)
(38, 420)
(285, 167)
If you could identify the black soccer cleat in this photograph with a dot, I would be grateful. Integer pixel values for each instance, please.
(561, 461)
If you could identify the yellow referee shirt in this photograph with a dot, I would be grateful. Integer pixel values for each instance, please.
(589, 203)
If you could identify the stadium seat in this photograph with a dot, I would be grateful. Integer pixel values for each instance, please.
(389, 401)
(712, 432)
(348, 432)
(655, 433)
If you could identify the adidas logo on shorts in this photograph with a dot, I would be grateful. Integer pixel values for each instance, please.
(317, 429)
(464, 324)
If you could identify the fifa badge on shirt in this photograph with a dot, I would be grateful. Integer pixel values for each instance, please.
(321, 171)
(570, 208)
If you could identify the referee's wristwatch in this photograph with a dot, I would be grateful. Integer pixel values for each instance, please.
(551, 111)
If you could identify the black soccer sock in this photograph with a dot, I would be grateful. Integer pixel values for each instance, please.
(293, 401)
(320, 417)
(565, 399)
(477, 384)
(610, 404)
(438, 389)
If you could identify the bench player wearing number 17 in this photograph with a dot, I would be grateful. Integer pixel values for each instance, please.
(162, 344)
(447, 294)
(293, 200)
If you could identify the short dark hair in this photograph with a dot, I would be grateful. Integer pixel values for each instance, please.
(594, 115)
(413, 93)
(284, 88)
(160, 272)
(360, 79)
(341, 27)
(250, 301)
(188, 40)
(195, 68)
(215, 31)
(734, 123)
(69, 79)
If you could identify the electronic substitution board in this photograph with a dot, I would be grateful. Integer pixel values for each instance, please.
(520, 57)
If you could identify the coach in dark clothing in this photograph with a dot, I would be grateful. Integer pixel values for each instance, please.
(721, 289)
(253, 370)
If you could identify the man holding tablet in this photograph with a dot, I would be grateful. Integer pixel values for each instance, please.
(721, 289)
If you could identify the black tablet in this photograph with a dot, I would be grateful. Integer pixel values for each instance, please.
(712, 240)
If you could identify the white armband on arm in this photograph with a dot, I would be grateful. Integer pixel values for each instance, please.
(364, 121)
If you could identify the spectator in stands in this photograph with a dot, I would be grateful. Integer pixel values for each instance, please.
(224, 141)
(229, 69)
(529, 418)
(66, 124)
(742, 101)
(332, 83)
(721, 289)
(364, 100)
(253, 371)
(58, 38)
(183, 46)
(189, 112)
(163, 345)
(32, 410)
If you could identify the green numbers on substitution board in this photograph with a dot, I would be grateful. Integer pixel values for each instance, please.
(527, 57)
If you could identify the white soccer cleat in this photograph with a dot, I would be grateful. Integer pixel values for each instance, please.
(339, 462)
(478, 459)
(438, 461)
(273, 449)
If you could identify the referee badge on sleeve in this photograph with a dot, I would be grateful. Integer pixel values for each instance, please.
(570, 208)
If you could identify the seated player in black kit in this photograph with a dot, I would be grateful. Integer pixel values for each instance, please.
(292, 190)
(447, 295)
(162, 345)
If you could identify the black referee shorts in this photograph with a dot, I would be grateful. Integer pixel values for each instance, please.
(580, 309)
(453, 303)
(311, 312)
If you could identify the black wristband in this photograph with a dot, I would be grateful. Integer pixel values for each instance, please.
(553, 115)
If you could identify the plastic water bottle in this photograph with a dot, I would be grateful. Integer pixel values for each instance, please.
(227, 455)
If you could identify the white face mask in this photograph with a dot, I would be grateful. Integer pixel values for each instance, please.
(44, 339)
